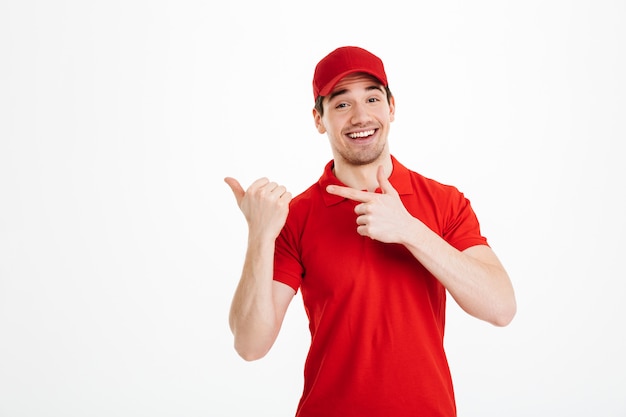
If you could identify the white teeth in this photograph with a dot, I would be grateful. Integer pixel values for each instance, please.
(361, 134)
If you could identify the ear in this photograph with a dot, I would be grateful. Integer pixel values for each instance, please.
(317, 118)
(392, 109)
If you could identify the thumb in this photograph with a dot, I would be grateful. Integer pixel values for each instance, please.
(237, 189)
(384, 183)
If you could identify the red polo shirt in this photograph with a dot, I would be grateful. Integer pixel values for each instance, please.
(376, 315)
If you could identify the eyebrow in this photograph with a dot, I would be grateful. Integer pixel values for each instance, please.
(345, 90)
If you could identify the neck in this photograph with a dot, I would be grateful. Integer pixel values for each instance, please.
(362, 177)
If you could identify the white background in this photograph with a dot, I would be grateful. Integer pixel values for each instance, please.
(120, 245)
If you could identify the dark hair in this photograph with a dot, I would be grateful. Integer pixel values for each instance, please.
(320, 100)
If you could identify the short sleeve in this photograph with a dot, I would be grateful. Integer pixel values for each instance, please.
(462, 229)
(288, 268)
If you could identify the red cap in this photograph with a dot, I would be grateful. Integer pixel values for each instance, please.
(344, 61)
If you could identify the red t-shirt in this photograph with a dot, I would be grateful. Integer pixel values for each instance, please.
(376, 315)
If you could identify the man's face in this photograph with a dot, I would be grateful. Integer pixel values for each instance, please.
(357, 118)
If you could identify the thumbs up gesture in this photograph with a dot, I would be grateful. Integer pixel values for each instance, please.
(264, 204)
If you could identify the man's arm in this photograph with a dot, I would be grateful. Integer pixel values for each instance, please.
(474, 277)
(259, 303)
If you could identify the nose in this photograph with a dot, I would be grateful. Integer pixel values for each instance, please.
(360, 114)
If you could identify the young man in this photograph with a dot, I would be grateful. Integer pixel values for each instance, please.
(373, 247)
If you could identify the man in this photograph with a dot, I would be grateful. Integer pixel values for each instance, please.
(373, 247)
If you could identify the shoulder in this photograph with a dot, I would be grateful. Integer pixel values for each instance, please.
(424, 194)
(423, 185)
(306, 197)
(302, 205)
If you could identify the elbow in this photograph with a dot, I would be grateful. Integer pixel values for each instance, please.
(503, 308)
(504, 315)
(502, 320)
(250, 355)
(252, 345)
(251, 352)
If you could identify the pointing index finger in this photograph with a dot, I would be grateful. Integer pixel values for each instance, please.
(350, 193)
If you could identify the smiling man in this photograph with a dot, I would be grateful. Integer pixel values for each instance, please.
(373, 247)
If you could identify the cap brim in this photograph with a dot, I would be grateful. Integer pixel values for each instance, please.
(328, 88)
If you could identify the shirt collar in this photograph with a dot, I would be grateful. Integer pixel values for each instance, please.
(400, 179)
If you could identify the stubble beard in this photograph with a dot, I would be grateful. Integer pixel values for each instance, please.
(363, 156)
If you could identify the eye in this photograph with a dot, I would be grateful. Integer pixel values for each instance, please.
(373, 99)
(341, 106)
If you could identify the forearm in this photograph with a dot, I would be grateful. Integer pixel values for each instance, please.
(253, 318)
(474, 278)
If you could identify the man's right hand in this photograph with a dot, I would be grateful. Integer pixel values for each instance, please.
(265, 205)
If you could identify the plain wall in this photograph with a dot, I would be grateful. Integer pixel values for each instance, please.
(120, 245)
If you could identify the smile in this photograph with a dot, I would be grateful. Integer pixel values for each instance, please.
(363, 134)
